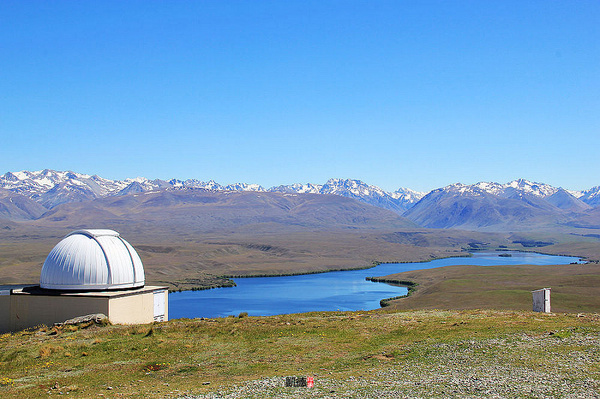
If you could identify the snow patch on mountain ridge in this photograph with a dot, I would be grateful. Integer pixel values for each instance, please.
(520, 186)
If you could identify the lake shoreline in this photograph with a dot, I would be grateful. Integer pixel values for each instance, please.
(229, 283)
(230, 277)
(412, 285)
(348, 290)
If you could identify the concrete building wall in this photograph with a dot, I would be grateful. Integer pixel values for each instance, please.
(138, 309)
(4, 312)
(133, 309)
(33, 310)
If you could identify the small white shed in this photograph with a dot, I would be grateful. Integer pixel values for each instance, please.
(541, 300)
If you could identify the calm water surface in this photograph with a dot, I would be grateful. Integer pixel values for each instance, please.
(347, 290)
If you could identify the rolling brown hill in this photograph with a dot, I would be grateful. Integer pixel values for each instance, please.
(205, 210)
(15, 206)
(588, 220)
(483, 211)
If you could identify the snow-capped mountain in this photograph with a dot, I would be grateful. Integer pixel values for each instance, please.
(366, 193)
(298, 188)
(507, 190)
(193, 183)
(591, 196)
(244, 187)
(407, 194)
(522, 187)
(398, 201)
(140, 185)
(515, 205)
(50, 187)
(526, 187)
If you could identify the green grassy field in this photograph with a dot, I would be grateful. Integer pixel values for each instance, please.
(350, 354)
(575, 288)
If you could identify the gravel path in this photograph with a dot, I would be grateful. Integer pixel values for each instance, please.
(516, 367)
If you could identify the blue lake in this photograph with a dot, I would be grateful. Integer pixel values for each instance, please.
(345, 290)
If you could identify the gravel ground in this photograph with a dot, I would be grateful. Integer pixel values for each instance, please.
(516, 367)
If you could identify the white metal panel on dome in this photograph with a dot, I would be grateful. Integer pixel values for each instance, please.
(95, 233)
(92, 260)
(138, 267)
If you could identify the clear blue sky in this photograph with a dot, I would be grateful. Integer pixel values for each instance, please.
(417, 94)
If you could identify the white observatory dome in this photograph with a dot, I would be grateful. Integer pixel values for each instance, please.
(88, 260)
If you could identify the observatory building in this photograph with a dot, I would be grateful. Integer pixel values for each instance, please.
(88, 272)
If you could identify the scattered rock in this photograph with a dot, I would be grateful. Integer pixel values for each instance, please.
(97, 318)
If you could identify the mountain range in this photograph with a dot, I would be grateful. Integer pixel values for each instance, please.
(517, 205)
(51, 188)
(493, 206)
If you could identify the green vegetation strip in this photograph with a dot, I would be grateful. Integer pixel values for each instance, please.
(410, 285)
(475, 353)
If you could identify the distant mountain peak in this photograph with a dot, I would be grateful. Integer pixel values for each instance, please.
(591, 196)
(538, 189)
(515, 205)
(244, 187)
(515, 187)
